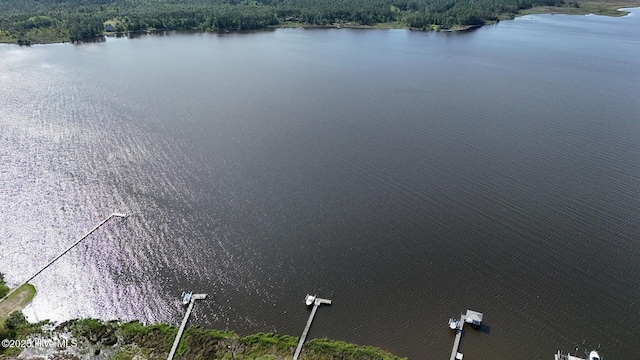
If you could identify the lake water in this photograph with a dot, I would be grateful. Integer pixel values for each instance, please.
(406, 177)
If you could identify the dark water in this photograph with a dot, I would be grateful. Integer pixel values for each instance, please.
(406, 177)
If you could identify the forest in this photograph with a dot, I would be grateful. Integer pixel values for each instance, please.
(28, 22)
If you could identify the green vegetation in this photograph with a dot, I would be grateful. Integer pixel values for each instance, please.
(16, 301)
(4, 289)
(133, 339)
(325, 348)
(28, 22)
(13, 324)
(11, 328)
(599, 7)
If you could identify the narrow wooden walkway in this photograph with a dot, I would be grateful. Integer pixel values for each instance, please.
(317, 302)
(176, 342)
(472, 317)
(456, 342)
(64, 252)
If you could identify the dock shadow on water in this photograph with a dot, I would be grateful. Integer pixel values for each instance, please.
(484, 328)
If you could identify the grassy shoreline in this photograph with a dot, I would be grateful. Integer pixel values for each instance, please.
(603, 8)
(16, 302)
(133, 340)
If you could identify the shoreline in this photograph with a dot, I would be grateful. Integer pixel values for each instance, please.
(597, 7)
(76, 339)
(611, 9)
(17, 301)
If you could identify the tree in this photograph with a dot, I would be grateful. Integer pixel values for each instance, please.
(15, 320)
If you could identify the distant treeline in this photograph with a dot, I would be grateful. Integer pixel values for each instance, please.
(31, 21)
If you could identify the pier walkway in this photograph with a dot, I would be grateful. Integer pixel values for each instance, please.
(472, 317)
(456, 342)
(64, 252)
(176, 342)
(316, 302)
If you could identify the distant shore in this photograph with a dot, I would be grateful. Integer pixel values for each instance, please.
(605, 8)
(571, 7)
(383, 26)
(584, 8)
(595, 7)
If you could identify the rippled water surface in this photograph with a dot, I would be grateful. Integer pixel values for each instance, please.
(406, 177)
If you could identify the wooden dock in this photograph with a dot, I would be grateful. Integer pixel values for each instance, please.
(456, 343)
(176, 342)
(316, 303)
(472, 317)
(65, 251)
